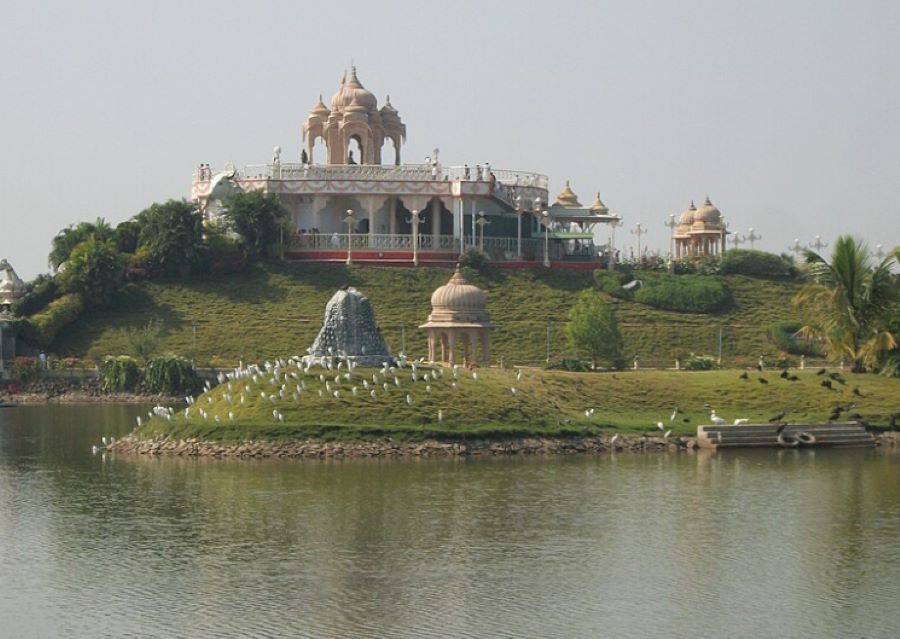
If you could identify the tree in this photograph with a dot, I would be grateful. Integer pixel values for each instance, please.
(93, 270)
(851, 299)
(257, 218)
(173, 234)
(71, 236)
(592, 328)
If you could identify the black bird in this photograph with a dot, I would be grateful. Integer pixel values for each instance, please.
(892, 422)
(821, 371)
(857, 392)
(835, 414)
(745, 376)
(780, 429)
(837, 377)
(827, 384)
(784, 374)
(855, 416)
(778, 417)
(759, 367)
(793, 378)
(762, 380)
(686, 420)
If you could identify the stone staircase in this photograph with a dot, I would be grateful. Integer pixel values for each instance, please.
(846, 434)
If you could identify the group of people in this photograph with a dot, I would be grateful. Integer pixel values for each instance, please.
(204, 172)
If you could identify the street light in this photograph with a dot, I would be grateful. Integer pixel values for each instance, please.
(737, 240)
(671, 224)
(544, 219)
(879, 252)
(795, 248)
(415, 220)
(818, 244)
(752, 237)
(518, 201)
(639, 230)
(349, 222)
(481, 222)
(613, 224)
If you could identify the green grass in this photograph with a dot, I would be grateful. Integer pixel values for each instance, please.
(545, 403)
(277, 309)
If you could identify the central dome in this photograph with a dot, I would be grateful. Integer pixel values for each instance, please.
(352, 91)
(457, 300)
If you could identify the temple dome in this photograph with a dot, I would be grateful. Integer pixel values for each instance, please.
(599, 207)
(567, 198)
(708, 214)
(319, 110)
(11, 287)
(352, 91)
(458, 300)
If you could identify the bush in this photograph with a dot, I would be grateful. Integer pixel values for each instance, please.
(700, 363)
(782, 334)
(144, 341)
(572, 365)
(592, 329)
(170, 374)
(27, 369)
(119, 374)
(42, 328)
(684, 293)
(757, 264)
(41, 291)
(611, 283)
(473, 259)
(94, 271)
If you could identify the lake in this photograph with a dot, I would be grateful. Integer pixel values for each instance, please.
(749, 544)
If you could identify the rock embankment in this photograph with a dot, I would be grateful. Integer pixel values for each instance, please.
(387, 448)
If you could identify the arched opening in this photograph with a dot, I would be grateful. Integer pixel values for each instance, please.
(355, 150)
(317, 149)
(396, 144)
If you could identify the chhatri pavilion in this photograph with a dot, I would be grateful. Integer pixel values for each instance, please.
(347, 203)
(700, 232)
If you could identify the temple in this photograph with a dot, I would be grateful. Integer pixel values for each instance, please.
(346, 203)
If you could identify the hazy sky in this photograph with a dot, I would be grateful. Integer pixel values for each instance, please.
(786, 113)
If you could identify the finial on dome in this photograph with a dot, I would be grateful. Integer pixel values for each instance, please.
(708, 203)
(692, 207)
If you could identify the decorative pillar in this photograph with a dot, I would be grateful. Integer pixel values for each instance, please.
(435, 223)
(451, 339)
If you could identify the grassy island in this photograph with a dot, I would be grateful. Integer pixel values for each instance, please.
(493, 403)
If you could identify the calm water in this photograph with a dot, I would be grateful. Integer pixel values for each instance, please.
(735, 545)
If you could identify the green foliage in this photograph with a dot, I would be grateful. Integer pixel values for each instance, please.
(27, 369)
(566, 364)
(473, 258)
(119, 374)
(170, 374)
(93, 270)
(42, 328)
(757, 264)
(67, 239)
(225, 254)
(699, 363)
(610, 282)
(850, 302)
(784, 336)
(172, 233)
(592, 328)
(41, 291)
(144, 341)
(258, 219)
(127, 236)
(684, 293)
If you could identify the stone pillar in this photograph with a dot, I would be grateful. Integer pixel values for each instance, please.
(486, 346)
(431, 345)
(435, 223)
(370, 207)
(451, 339)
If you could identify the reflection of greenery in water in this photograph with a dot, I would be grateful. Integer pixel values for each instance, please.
(763, 544)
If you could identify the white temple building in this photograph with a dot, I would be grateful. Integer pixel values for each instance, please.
(346, 203)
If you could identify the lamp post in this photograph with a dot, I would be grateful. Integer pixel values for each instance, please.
(818, 244)
(671, 224)
(879, 252)
(518, 201)
(544, 219)
(752, 237)
(737, 240)
(415, 220)
(639, 230)
(613, 224)
(481, 222)
(795, 248)
(349, 222)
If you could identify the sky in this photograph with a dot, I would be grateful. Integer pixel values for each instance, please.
(786, 114)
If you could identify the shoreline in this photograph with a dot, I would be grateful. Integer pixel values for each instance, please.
(86, 397)
(316, 449)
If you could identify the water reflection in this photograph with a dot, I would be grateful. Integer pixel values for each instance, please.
(792, 543)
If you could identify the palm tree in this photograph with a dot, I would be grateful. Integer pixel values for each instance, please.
(852, 298)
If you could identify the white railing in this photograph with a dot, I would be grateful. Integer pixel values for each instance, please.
(366, 241)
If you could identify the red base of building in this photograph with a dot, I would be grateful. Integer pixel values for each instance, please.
(400, 258)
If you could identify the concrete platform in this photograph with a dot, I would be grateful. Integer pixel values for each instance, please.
(846, 434)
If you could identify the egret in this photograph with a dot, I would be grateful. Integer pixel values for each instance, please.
(659, 425)
(95, 450)
(230, 417)
(372, 394)
(519, 375)
(440, 415)
(428, 388)
(408, 399)
(337, 394)
(667, 433)
(397, 381)
(103, 439)
(353, 391)
(475, 375)
(513, 390)
(613, 440)
(139, 421)
(715, 419)
(385, 386)
(741, 420)
(673, 415)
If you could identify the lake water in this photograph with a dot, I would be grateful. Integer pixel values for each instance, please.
(765, 544)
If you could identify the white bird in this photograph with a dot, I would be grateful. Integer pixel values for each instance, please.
(440, 415)
(372, 394)
(741, 420)
(103, 439)
(715, 419)
(454, 385)
(139, 421)
(659, 425)
(428, 388)
(513, 390)
(673, 415)
(95, 450)
(337, 394)
(475, 375)
(667, 433)
(321, 394)
(519, 375)
(231, 417)
(614, 438)
(386, 386)
(408, 399)
(397, 381)
(353, 390)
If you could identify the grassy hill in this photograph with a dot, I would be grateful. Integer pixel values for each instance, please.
(543, 403)
(276, 310)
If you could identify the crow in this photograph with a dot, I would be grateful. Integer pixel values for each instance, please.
(780, 429)
(892, 422)
(827, 384)
(821, 371)
(778, 417)
(744, 375)
(784, 374)
(793, 378)
(837, 377)
(762, 380)
(686, 420)
(857, 392)
(835, 414)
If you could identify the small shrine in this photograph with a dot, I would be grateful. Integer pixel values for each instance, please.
(11, 286)
(349, 331)
(459, 318)
(700, 232)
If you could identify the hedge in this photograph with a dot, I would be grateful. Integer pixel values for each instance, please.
(42, 328)
(119, 374)
(782, 333)
(757, 264)
(684, 293)
(170, 374)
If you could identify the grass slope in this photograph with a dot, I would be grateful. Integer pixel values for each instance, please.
(544, 403)
(278, 309)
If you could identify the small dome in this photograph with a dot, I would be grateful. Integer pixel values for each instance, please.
(11, 287)
(708, 214)
(599, 207)
(351, 91)
(319, 110)
(687, 218)
(457, 300)
(567, 198)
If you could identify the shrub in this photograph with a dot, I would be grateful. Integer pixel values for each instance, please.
(27, 369)
(782, 334)
(144, 341)
(611, 283)
(757, 264)
(700, 363)
(93, 270)
(592, 328)
(119, 374)
(170, 374)
(473, 258)
(573, 365)
(684, 293)
(42, 328)
(41, 292)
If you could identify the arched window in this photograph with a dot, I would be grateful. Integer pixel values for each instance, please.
(355, 151)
